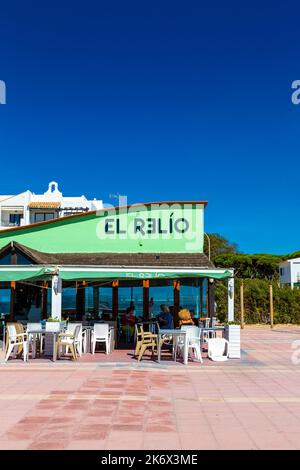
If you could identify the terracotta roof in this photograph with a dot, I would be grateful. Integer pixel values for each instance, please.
(187, 260)
(44, 205)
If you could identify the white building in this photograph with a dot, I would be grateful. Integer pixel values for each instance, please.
(28, 208)
(289, 272)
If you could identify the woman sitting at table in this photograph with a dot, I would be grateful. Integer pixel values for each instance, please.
(185, 317)
(128, 321)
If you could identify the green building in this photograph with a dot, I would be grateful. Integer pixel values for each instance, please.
(92, 265)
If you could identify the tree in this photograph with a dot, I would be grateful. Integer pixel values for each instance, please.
(218, 245)
(259, 266)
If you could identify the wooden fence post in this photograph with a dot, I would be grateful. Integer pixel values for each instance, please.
(271, 307)
(242, 306)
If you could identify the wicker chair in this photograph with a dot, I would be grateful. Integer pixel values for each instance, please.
(140, 336)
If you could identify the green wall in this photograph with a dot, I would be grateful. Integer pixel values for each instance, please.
(144, 229)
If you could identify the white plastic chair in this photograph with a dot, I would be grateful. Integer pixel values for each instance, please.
(205, 333)
(218, 349)
(112, 338)
(213, 334)
(15, 340)
(68, 340)
(193, 341)
(101, 334)
(80, 340)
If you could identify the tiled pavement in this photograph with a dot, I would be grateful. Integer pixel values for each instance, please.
(111, 402)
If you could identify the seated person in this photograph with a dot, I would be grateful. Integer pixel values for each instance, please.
(128, 321)
(194, 318)
(185, 317)
(165, 318)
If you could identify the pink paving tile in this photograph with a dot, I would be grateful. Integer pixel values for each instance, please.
(86, 445)
(34, 420)
(155, 428)
(162, 442)
(48, 445)
(124, 445)
(199, 440)
(14, 445)
(178, 398)
(93, 435)
(127, 427)
(99, 413)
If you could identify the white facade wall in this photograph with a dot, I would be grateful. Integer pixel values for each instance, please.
(295, 271)
(18, 204)
(291, 272)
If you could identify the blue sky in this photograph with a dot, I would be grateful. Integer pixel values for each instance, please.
(158, 100)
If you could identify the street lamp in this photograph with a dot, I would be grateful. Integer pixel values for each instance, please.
(208, 240)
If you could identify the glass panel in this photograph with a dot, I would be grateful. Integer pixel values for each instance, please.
(68, 300)
(22, 260)
(131, 294)
(39, 217)
(158, 296)
(105, 303)
(6, 259)
(190, 299)
(4, 301)
(89, 299)
(15, 219)
(42, 216)
(27, 303)
(49, 302)
(130, 309)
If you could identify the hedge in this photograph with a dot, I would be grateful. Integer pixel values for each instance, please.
(257, 304)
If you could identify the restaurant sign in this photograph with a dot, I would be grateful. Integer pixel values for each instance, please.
(140, 228)
(153, 228)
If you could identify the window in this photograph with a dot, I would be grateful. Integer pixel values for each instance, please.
(131, 294)
(160, 295)
(69, 298)
(98, 302)
(4, 301)
(43, 216)
(23, 260)
(190, 298)
(15, 219)
(281, 271)
(6, 260)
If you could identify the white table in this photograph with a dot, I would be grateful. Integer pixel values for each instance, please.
(174, 333)
(211, 328)
(34, 333)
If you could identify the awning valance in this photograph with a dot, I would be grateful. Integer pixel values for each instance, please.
(22, 273)
(72, 274)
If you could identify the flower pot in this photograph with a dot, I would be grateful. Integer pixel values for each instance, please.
(233, 335)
